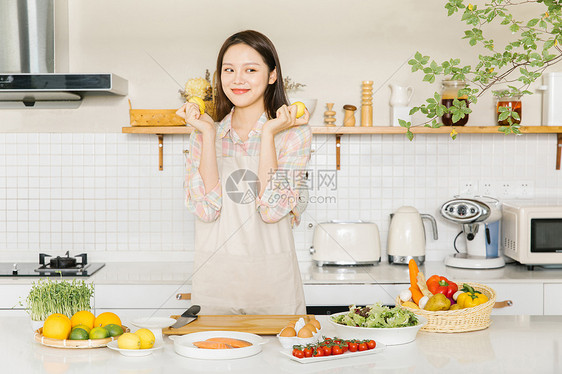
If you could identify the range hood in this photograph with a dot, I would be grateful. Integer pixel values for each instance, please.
(34, 60)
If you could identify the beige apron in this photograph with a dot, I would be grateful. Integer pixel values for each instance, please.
(243, 265)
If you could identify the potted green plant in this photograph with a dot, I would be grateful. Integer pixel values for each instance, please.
(510, 68)
(66, 297)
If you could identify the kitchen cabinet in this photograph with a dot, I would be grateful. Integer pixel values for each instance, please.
(140, 300)
(10, 297)
(383, 130)
(552, 299)
(527, 298)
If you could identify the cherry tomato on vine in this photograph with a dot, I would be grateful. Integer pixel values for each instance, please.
(336, 350)
(362, 347)
(371, 344)
(318, 352)
(327, 350)
(352, 346)
(298, 353)
(307, 352)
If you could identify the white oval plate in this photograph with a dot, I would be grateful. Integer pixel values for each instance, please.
(134, 352)
(379, 348)
(154, 322)
(183, 345)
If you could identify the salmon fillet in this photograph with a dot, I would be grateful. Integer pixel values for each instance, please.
(212, 345)
(235, 343)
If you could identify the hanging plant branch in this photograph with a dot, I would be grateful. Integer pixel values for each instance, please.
(535, 47)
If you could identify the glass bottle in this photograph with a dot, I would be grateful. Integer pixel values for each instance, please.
(450, 92)
(513, 102)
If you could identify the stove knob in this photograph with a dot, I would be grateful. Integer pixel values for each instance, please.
(15, 269)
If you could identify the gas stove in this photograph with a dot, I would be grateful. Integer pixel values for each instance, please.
(65, 266)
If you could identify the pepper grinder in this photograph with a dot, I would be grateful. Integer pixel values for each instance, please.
(349, 115)
(329, 115)
(367, 103)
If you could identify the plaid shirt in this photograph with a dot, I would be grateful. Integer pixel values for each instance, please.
(282, 191)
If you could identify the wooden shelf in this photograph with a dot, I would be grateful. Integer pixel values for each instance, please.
(340, 130)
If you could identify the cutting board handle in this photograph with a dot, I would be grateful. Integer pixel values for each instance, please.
(183, 296)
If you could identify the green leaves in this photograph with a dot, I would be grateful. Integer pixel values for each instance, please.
(407, 125)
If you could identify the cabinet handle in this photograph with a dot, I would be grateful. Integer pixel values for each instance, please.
(503, 304)
(183, 296)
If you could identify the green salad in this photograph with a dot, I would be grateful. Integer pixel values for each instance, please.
(377, 316)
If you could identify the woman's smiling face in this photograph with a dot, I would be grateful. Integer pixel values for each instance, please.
(245, 76)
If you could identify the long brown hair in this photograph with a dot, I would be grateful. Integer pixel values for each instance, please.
(274, 96)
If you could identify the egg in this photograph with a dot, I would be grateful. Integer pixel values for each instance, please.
(305, 333)
(315, 323)
(288, 331)
(311, 327)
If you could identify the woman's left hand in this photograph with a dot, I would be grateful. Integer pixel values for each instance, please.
(286, 117)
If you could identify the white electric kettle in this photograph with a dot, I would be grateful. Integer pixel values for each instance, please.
(406, 235)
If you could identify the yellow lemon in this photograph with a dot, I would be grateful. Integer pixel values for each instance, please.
(198, 101)
(57, 326)
(83, 317)
(300, 108)
(107, 318)
(129, 341)
(83, 327)
(146, 338)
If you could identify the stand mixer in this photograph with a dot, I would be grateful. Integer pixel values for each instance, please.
(480, 228)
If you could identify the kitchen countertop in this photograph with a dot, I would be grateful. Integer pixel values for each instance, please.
(383, 273)
(512, 344)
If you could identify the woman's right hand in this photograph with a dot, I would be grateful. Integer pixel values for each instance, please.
(192, 115)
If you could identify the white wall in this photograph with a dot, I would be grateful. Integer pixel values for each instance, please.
(70, 180)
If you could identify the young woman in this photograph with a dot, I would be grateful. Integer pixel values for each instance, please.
(243, 185)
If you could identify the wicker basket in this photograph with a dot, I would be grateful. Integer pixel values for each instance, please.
(80, 344)
(461, 320)
(161, 117)
(154, 117)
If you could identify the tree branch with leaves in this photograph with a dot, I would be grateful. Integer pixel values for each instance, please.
(534, 47)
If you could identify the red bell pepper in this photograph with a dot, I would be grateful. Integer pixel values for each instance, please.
(438, 284)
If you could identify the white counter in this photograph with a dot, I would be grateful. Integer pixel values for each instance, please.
(180, 273)
(513, 344)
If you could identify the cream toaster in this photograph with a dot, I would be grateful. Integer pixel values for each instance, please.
(346, 243)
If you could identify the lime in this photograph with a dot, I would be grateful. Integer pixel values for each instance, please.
(78, 334)
(83, 327)
(114, 330)
(99, 333)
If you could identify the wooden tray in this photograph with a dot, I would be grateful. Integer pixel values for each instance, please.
(66, 343)
(254, 324)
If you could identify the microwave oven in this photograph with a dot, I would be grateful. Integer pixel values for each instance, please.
(532, 233)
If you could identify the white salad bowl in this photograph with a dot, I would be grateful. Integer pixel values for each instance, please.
(388, 336)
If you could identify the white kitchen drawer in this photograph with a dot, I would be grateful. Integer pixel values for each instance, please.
(128, 315)
(348, 294)
(12, 294)
(140, 296)
(526, 298)
(552, 300)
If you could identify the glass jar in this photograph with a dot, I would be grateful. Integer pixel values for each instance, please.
(450, 92)
(510, 102)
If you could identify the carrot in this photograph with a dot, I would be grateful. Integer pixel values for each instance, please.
(235, 343)
(413, 268)
(416, 295)
(211, 345)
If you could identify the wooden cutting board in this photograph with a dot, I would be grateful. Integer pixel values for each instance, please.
(255, 324)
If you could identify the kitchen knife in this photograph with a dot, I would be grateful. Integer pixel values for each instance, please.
(188, 316)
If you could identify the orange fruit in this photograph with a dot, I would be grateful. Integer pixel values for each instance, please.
(83, 317)
(107, 318)
(57, 326)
